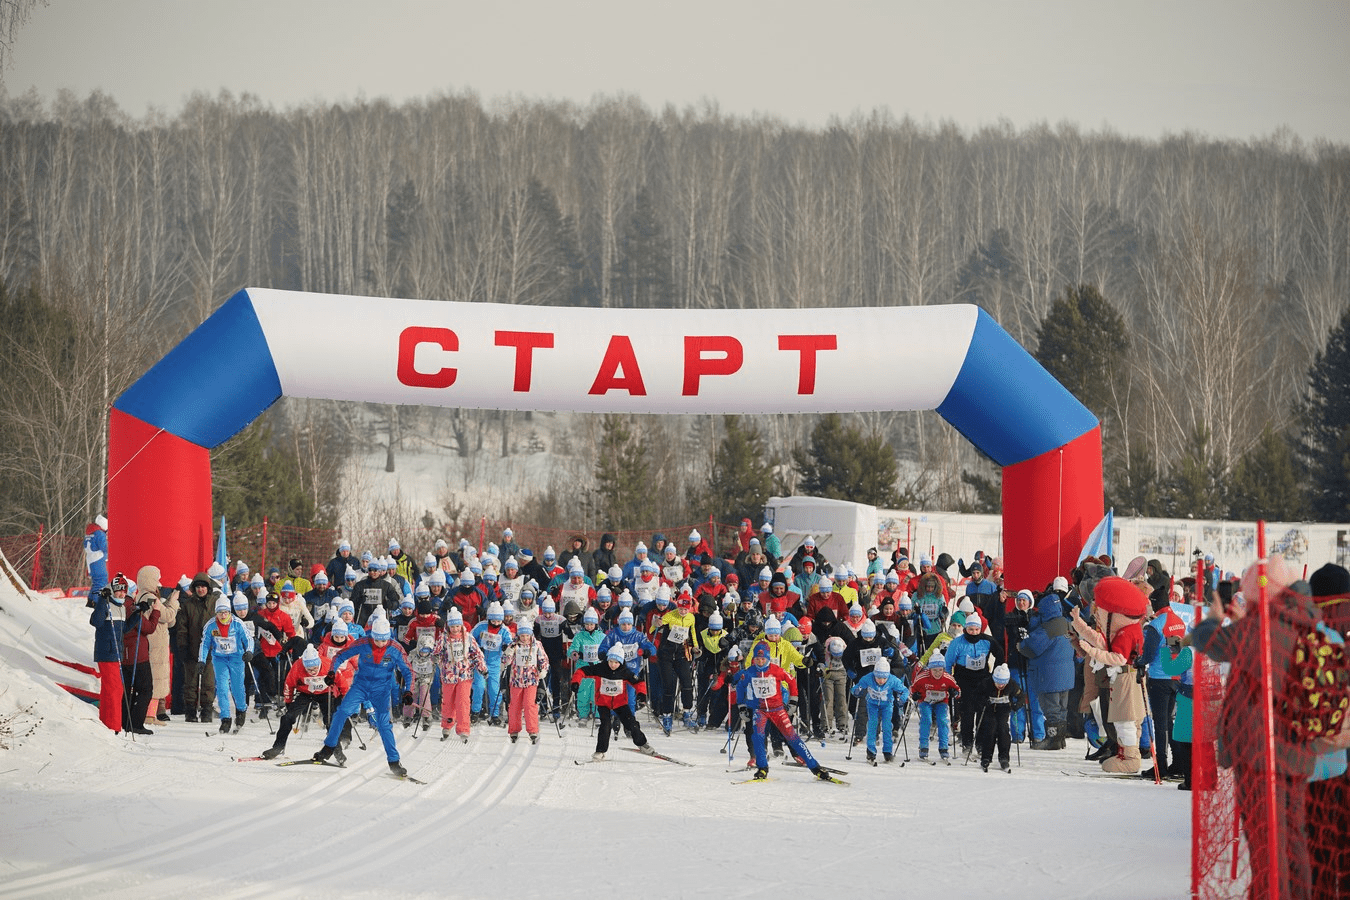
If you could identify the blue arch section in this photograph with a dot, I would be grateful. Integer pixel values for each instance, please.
(213, 384)
(1007, 404)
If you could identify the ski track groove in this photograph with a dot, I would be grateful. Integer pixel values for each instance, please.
(142, 852)
(493, 784)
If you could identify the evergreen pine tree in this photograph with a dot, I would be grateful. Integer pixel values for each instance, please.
(842, 463)
(1325, 444)
(742, 477)
(1266, 482)
(623, 495)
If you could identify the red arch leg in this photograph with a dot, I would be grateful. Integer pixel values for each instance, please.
(1050, 504)
(159, 500)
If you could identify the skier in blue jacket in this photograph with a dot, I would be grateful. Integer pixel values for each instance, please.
(227, 641)
(492, 637)
(884, 692)
(380, 661)
(635, 646)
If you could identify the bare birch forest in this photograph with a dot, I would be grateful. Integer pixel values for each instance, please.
(1228, 261)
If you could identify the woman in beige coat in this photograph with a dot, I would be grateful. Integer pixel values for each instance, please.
(147, 585)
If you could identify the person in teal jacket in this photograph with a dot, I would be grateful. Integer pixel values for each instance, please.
(1177, 659)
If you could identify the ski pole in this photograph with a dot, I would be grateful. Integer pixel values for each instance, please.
(974, 737)
(852, 712)
(1152, 744)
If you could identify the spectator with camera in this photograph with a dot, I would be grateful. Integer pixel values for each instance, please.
(138, 679)
(109, 621)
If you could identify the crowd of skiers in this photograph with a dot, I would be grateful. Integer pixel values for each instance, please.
(502, 636)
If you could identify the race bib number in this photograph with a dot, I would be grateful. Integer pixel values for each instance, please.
(524, 657)
(224, 645)
(877, 694)
(371, 596)
(976, 663)
(609, 687)
(869, 656)
(457, 651)
(630, 652)
(269, 637)
(764, 688)
(590, 653)
(548, 628)
(934, 696)
(425, 638)
(251, 629)
(678, 634)
(402, 633)
(315, 684)
(491, 641)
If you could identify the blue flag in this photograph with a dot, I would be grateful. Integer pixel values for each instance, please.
(222, 556)
(1099, 542)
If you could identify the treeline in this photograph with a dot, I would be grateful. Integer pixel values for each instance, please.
(1227, 262)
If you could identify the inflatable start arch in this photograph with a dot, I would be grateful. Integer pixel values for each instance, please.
(261, 345)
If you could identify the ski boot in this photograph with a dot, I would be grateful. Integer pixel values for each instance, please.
(339, 756)
(190, 715)
(495, 722)
(647, 750)
(463, 738)
(514, 737)
(822, 774)
(238, 721)
(324, 753)
(871, 757)
(946, 757)
(923, 755)
(777, 752)
(761, 774)
(888, 757)
(397, 768)
(272, 752)
(534, 739)
(667, 723)
(445, 733)
(1003, 764)
(984, 765)
(597, 756)
(225, 725)
(689, 722)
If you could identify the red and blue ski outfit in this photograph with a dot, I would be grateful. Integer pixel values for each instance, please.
(374, 682)
(762, 688)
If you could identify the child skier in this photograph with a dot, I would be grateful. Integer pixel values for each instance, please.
(934, 687)
(883, 692)
(835, 685)
(457, 656)
(762, 688)
(493, 637)
(997, 698)
(585, 651)
(613, 681)
(306, 688)
(529, 664)
(226, 640)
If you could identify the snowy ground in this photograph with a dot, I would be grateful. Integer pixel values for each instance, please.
(87, 813)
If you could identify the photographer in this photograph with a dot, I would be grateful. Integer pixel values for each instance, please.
(109, 619)
(137, 677)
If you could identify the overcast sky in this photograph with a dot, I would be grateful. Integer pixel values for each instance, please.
(1227, 69)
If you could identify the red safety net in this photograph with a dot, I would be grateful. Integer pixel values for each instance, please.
(1260, 827)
